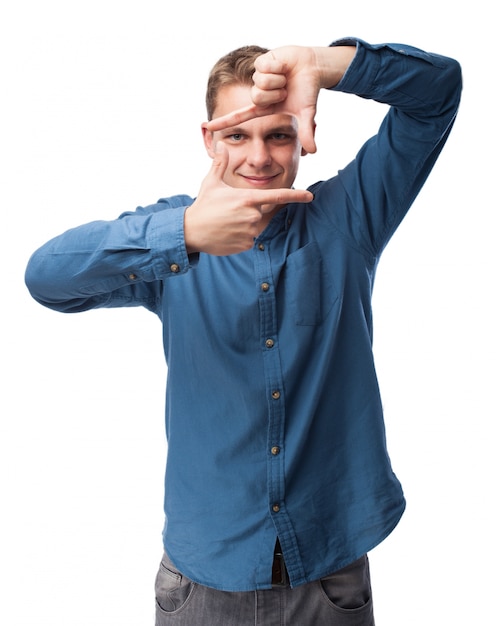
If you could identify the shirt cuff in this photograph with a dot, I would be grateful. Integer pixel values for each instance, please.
(167, 244)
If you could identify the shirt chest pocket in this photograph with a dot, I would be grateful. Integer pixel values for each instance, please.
(309, 293)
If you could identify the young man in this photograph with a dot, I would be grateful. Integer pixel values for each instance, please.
(278, 480)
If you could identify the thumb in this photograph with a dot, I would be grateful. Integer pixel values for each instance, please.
(220, 161)
(306, 131)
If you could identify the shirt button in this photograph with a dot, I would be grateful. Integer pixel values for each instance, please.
(174, 268)
(269, 343)
(261, 247)
(275, 450)
(276, 394)
(276, 508)
(132, 276)
(265, 286)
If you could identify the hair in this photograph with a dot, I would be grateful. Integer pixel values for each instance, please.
(235, 68)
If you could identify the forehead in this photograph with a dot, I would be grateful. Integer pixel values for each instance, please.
(234, 97)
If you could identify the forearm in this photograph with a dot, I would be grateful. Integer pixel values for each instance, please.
(416, 82)
(108, 263)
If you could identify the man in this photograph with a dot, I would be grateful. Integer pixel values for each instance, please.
(278, 479)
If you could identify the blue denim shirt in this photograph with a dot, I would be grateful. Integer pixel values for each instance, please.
(273, 415)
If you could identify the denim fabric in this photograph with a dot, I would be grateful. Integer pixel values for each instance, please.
(273, 413)
(342, 599)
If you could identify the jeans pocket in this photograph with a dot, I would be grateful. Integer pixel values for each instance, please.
(172, 589)
(349, 588)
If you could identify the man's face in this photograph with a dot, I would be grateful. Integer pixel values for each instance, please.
(264, 152)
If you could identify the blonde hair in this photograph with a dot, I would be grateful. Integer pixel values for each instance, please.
(235, 68)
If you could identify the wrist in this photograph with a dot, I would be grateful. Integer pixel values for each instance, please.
(188, 229)
(333, 63)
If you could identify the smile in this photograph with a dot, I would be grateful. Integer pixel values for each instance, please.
(259, 180)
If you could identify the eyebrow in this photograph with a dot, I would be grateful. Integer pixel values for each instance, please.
(286, 129)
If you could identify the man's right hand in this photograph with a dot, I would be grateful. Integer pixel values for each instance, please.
(225, 220)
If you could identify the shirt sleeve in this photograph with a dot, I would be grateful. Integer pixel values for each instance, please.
(112, 263)
(423, 92)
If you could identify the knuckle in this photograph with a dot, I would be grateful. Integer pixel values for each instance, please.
(262, 81)
(254, 218)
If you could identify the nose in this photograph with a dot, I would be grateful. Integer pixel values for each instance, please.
(258, 154)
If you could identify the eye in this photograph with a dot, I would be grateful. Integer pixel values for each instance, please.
(235, 137)
(282, 138)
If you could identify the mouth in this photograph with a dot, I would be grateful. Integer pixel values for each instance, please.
(259, 181)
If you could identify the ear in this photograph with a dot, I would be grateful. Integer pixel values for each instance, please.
(208, 140)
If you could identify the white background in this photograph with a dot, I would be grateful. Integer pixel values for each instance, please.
(101, 107)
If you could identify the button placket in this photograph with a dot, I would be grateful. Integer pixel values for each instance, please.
(273, 381)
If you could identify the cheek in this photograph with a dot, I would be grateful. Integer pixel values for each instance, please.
(293, 163)
(236, 159)
(290, 156)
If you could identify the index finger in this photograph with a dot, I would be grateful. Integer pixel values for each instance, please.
(270, 197)
(238, 117)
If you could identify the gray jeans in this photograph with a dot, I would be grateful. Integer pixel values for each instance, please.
(342, 599)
